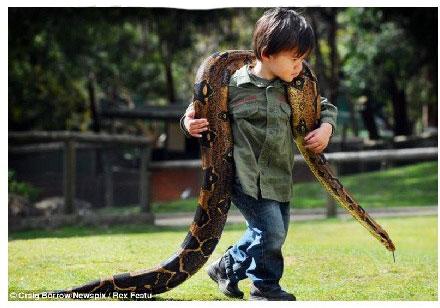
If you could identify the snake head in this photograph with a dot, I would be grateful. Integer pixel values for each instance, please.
(298, 82)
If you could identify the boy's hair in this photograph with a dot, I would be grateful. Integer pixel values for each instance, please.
(282, 29)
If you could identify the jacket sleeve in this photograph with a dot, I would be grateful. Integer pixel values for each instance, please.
(182, 125)
(329, 113)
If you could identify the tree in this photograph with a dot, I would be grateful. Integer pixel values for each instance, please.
(378, 60)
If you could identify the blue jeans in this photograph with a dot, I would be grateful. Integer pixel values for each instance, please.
(257, 255)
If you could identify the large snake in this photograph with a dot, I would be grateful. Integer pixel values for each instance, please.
(210, 101)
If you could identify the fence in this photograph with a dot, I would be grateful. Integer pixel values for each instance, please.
(71, 140)
(335, 159)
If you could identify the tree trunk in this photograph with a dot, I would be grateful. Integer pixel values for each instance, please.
(93, 107)
(432, 116)
(334, 60)
(354, 124)
(368, 118)
(398, 98)
(167, 61)
(96, 123)
(320, 66)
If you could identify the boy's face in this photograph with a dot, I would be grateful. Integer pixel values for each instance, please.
(285, 65)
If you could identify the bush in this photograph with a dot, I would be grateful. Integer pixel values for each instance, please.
(21, 188)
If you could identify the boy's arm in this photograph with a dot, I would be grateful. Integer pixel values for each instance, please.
(329, 113)
(318, 139)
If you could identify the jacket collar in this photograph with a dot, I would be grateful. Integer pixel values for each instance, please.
(244, 76)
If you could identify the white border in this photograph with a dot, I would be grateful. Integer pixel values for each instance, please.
(206, 4)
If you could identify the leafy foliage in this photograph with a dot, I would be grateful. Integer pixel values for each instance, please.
(21, 188)
(374, 48)
(149, 56)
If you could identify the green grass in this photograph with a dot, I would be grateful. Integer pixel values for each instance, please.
(324, 260)
(414, 185)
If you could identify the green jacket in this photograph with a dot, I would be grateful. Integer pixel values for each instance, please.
(263, 141)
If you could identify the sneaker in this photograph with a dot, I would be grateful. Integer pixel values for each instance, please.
(276, 295)
(217, 272)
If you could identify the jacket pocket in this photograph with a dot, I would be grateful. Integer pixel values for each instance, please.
(244, 110)
(286, 111)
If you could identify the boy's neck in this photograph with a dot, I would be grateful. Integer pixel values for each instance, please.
(260, 70)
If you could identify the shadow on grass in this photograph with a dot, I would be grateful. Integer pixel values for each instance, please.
(77, 231)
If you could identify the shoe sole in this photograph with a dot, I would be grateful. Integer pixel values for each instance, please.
(260, 298)
(257, 298)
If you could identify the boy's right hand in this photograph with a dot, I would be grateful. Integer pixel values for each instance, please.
(194, 126)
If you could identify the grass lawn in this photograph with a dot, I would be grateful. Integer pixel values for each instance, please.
(324, 260)
(414, 185)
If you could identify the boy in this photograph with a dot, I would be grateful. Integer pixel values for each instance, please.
(263, 153)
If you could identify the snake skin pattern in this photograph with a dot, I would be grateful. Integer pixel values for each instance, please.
(210, 101)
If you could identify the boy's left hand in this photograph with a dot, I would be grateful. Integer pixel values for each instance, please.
(317, 140)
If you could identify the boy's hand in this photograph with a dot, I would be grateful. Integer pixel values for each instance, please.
(194, 126)
(317, 140)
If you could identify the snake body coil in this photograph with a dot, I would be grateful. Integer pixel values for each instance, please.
(210, 101)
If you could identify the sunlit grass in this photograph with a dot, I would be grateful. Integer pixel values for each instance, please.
(414, 185)
(324, 260)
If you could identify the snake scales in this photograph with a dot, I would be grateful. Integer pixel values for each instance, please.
(210, 101)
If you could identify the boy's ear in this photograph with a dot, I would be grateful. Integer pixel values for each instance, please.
(264, 56)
